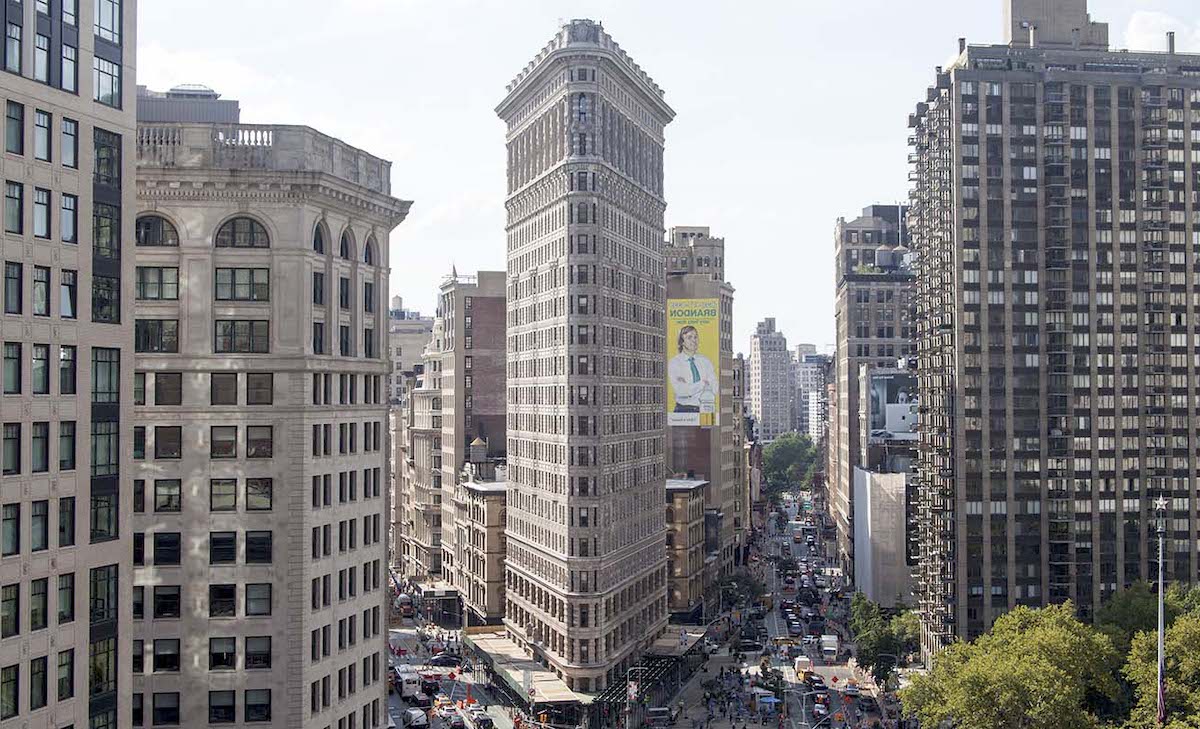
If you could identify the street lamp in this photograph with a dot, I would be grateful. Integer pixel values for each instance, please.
(804, 707)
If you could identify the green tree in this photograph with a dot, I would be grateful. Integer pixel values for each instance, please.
(1127, 612)
(907, 628)
(789, 460)
(1182, 648)
(1036, 669)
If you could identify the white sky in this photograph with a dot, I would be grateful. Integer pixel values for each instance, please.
(790, 113)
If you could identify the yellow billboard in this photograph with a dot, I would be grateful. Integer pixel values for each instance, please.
(693, 361)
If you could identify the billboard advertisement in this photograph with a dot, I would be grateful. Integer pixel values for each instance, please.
(893, 406)
(693, 362)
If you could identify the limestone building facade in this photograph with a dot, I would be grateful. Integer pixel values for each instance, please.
(260, 589)
(65, 621)
(586, 567)
(772, 385)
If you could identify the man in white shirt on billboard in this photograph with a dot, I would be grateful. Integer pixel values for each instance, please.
(693, 378)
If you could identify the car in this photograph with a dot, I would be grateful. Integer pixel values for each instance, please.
(415, 718)
(749, 646)
(455, 721)
(421, 700)
(819, 710)
(869, 705)
(445, 660)
(851, 689)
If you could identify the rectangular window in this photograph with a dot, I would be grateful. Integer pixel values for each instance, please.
(222, 547)
(258, 651)
(102, 666)
(166, 601)
(139, 495)
(12, 450)
(66, 674)
(12, 48)
(106, 299)
(166, 548)
(68, 11)
(106, 82)
(10, 606)
(221, 708)
(139, 388)
(344, 341)
(108, 20)
(222, 654)
(258, 547)
(66, 521)
(245, 336)
(223, 441)
(168, 388)
(259, 494)
(41, 58)
(40, 369)
(66, 598)
(70, 68)
(12, 368)
(106, 375)
(260, 388)
(368, 297)
(104, 517)
(166, 705)
(318, 296)
(9, 690)
(70, 143)
(167, 495)
(243, 284)
(222, 601)
(222, 494)
(41, 291)
(66, 445)
(103, 594)
(14, 128)
(156, 335)
(68, 221)
(41, 213)
(166, 655)
(37, 683)
(39, 603)
(318, 339)
(259, 441)
(156, 283)
(258, 705)
(223, 388)
(168, 441)
(106, 231)
(258, 598)
(66, 369)
(14, 207)
(14, 293)
(39, 447)
(106, 448)
(41, 135)
(343, 293)
(107, 148)
(369, 343)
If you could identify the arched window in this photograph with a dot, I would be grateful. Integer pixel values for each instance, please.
(369, 252)
(346, 246)
(243, 233)
(152, 230)
(319, 240)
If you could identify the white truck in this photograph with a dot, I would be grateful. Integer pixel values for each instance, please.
(829, 647)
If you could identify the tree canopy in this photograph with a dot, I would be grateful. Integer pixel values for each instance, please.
(789, 459)
(1035, 669)
(1182, 645)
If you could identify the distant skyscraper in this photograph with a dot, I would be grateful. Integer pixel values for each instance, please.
(772, 384)
(1055, 224)
(586, 588)
(808, 369)
(874, 288)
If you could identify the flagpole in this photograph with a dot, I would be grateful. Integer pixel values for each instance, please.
(1160, 506)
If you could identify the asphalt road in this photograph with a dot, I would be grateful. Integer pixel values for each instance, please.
(799, 705)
